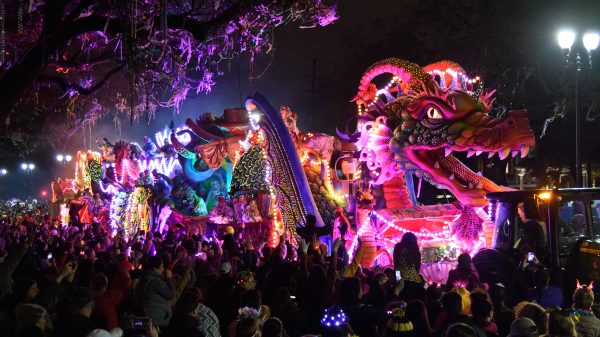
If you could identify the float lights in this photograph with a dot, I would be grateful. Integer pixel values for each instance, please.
(60, 157)
(30, 166)
(68, 158)
(545, 195)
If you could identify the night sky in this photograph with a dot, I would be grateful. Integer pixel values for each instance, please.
(495, 39)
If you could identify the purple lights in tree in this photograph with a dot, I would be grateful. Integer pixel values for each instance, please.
(130, 53)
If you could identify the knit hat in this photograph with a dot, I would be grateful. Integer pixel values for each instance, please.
(229, 230)
(27, 314)
(398, 323)
(116, 332)
(523, 327)
(226, 267)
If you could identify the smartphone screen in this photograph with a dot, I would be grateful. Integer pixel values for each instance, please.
(530, 256)
(49, 256)
(398, 275)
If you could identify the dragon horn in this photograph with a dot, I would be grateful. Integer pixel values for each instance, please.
(578, 285)
(591, 286)
(404, 70)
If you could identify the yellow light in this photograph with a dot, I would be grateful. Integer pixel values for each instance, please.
(545, 195)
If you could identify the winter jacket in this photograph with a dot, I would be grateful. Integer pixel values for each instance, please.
(154, 293)
(587, 324)
(8, 266)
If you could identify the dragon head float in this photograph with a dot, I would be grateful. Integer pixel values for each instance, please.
(423, 116)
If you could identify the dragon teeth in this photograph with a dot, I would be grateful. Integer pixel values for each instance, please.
(451, 177)
(478, 152)
(491, 154)
(479, 185)
(504, 153)
(524, 151)
(470, 153)
(515, 153)
(436, 165)
(480, 174)
(447, 151)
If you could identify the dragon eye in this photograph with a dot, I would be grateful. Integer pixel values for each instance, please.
(433, 113)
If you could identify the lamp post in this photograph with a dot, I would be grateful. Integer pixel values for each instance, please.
(567, 41)
(64, 159)
(28, 167)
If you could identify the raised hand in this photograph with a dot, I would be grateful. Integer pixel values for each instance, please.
(336, 244)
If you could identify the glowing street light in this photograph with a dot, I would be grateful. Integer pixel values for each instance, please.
(63, 159)
(3, 172)
(567, 40)
(590, 41)
(28, 167)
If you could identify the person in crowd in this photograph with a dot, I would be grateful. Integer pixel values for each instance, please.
(561, 323)
(363, 317)
(76, 321)
(464, 274)
(399, 325)
(452, 304)
(503, 315)
(155, 290)
(544, 293)
(483, 313)
(407, 260)
(433, 295)
(310, 232)
(186, 318)
(535, 313)
(587, 323)
(416, 312)
(273, 327)
(532, 233)
(460, 330)
(523, 327)
(465, 299)
(31, 320)
(106, 303)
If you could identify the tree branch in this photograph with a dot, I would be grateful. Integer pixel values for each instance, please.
(66, 86)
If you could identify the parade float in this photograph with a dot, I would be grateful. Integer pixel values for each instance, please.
(254, 169)
(412, 128)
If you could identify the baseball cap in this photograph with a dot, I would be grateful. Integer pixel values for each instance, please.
(523, 327)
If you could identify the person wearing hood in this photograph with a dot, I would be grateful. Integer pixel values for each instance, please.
(155, 291)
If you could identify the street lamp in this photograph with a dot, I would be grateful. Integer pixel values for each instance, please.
(589, 42)
(63, 158)
(28, 167)
(3, 172)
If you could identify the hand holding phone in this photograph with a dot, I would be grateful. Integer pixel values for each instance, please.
(398, 275)
(530, 257)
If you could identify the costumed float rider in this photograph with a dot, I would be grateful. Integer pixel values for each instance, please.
(310, 232)
(221, 215)
(342, 228)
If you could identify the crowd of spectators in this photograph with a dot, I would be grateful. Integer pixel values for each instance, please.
(78, 281)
